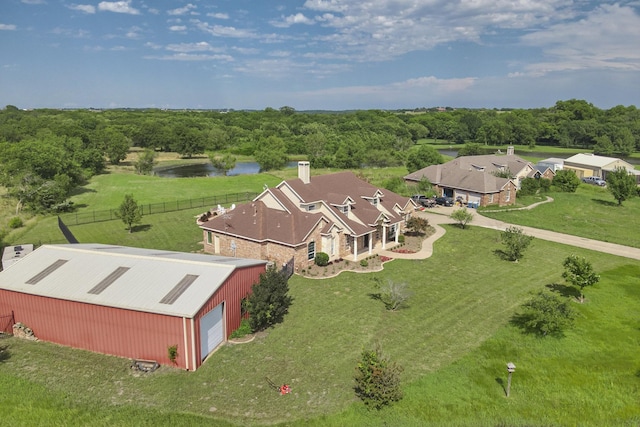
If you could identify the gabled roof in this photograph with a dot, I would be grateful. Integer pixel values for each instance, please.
(493, 163)
(451, 175)
(150, 280)
(256, 221)
(588, 159)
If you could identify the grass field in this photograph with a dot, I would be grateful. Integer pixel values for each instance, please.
(589, 212)
(453, 340)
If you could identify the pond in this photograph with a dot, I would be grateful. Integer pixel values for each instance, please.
(207, 169)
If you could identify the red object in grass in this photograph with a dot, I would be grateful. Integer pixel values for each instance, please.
(285, 389)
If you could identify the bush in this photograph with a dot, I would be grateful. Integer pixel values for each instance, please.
(393, 295)
(529, 187)
(269, 301)
(322, 259)
(546, 313)
(377, 379)
(401, 238)
(243, 329)
(364, 263)
(173, 353)
(566, 181)
(15, 222)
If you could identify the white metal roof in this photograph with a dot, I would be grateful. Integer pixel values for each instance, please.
(589, 159)
(150, 275)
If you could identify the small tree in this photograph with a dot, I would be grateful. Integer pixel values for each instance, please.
(393, 295)
(547, 313)
(377, 379)
(579, 272)
(417, 224)
(566, 181)
(516, 242)
(621, 184)
(462, 216)
(529, 187)
(146, 161)
(269, 300)
(224, 163)
(172, 352)
(129, 212)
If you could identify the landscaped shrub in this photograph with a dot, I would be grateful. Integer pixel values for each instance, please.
(173, 353)
(15, 222)
(322, 259)
(377, 379)
(243, 329)
(364, 263)
(401, 238)
(529, 187)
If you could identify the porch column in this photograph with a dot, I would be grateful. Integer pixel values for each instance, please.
(371, 236)
(355, 248)
(384, 237)
(397, 233)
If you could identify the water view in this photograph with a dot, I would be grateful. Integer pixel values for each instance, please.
(207, 169)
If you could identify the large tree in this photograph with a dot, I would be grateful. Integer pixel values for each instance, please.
(424, 156)
(621, 184)
(566, 181)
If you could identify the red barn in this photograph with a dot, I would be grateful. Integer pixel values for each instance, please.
(129, 302)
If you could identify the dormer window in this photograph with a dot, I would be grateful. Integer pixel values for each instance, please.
(344, 209)
(311, 207)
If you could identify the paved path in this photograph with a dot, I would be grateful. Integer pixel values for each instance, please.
(441, 215)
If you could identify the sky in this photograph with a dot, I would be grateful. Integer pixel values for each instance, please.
(318, 54)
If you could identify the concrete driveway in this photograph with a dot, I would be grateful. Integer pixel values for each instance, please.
(442, 215)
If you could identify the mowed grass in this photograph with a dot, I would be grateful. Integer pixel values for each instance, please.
(590, 212)
(453, 341)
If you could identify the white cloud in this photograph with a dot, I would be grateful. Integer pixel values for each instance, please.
(33, 1)
(187, 9)
(177, 28)
(86, 8)
(191, 47)
(298, 18)
(118, 7)
(223, 31)
(607, 38)
(192, 57)
(7, 27)
(219, 15)
(68, 32)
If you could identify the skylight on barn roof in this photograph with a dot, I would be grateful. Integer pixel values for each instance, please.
(47, 271)
(107, 281)
(179, 289)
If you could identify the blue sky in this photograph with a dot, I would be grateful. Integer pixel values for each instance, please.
(318, 54)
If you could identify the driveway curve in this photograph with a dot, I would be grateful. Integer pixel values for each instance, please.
(442, 215)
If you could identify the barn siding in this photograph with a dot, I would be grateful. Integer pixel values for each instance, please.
(235, 288)
(108, 330)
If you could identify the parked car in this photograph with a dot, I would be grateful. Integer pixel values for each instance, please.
(445, 201)
(594, 180)
(423, 200)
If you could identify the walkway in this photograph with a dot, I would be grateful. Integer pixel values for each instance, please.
(441, 215)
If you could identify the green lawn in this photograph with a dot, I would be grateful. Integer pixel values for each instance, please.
(453, 342)
(589, 212)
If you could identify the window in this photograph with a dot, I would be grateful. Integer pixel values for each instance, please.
(491, 198)
(508, 196)
(208, 237)
(311, 250)
(344, 209)
(311, 207)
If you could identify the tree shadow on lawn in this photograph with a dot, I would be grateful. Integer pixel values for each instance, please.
(502, 255)
(605, 202)
(141, 227)
(564, 290)
(5, 354)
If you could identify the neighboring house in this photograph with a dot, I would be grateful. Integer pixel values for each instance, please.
(338, 214)
(12, 254)
(553, 163)
(128, 302)
(476, 180)
(588, 164)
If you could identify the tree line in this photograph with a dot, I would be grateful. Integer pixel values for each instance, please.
(44, 153)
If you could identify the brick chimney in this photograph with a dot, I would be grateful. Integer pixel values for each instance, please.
(304, 172)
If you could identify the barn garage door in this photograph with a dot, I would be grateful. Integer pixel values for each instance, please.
(211, 331)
